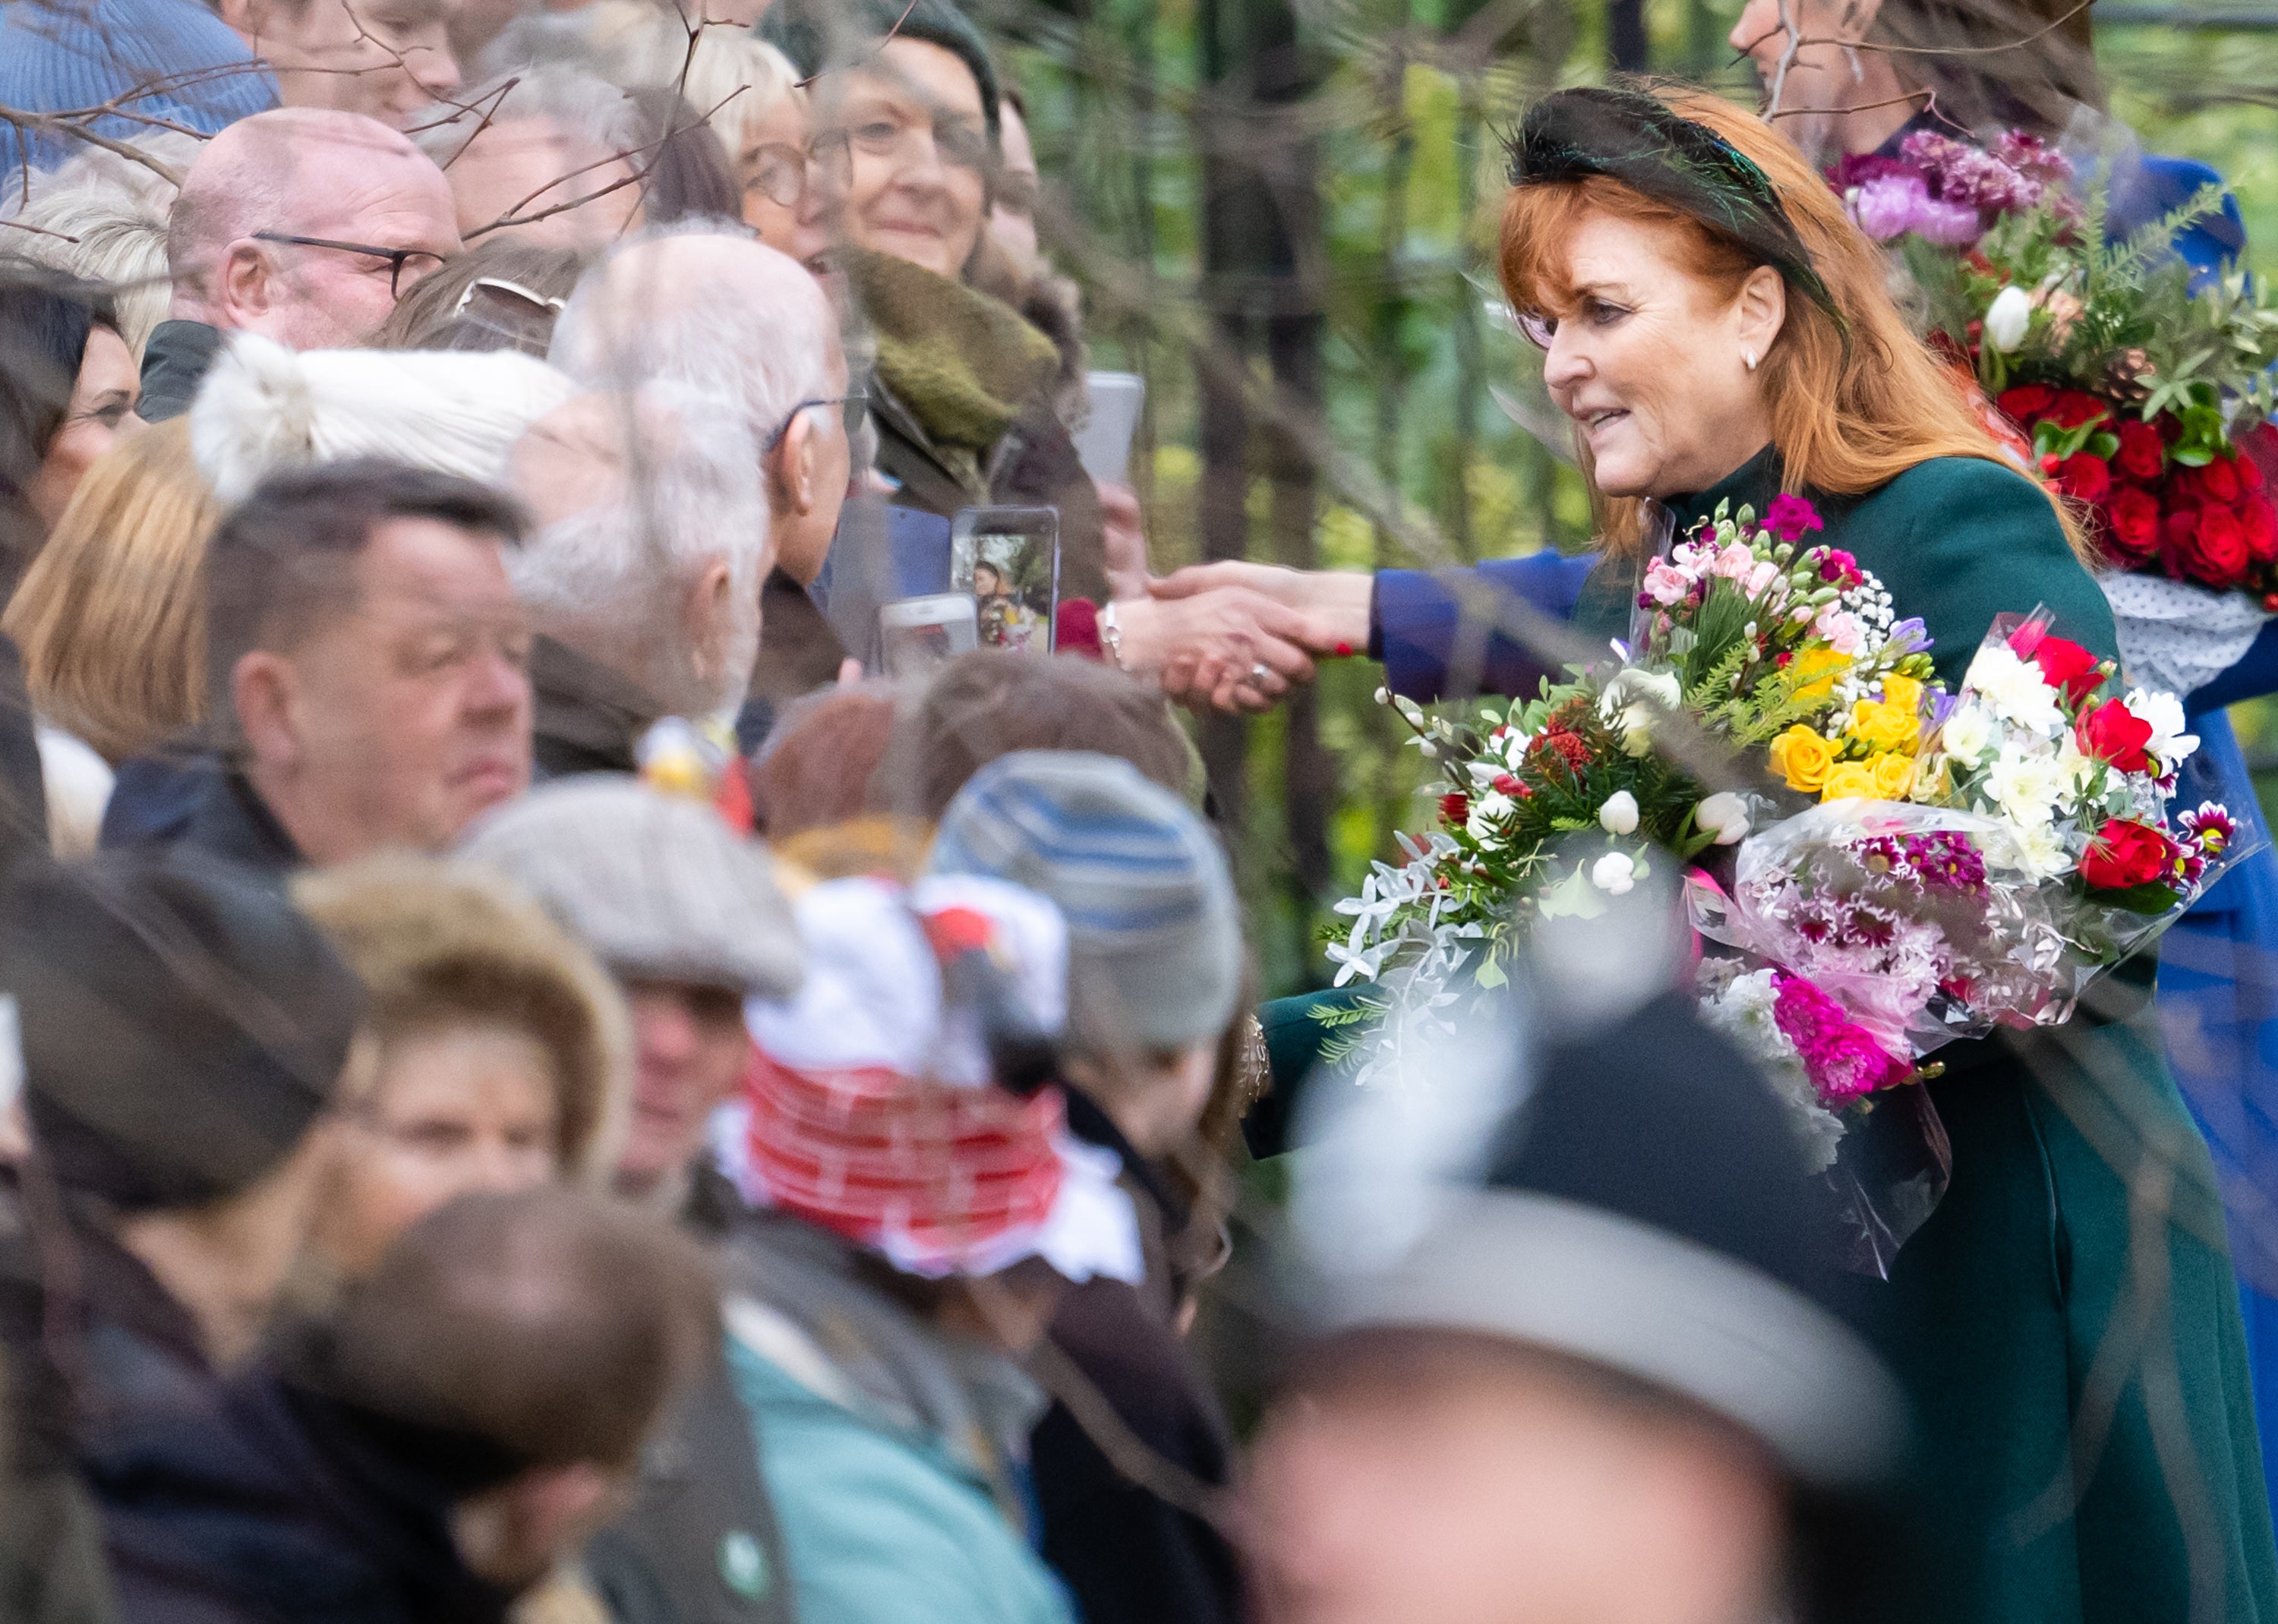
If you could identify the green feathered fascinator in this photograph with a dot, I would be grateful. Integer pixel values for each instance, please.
(1629, 136)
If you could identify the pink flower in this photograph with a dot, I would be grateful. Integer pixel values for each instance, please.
(1734, 562)
(1841, 1057)
(1666, 585)
(1841, 628)
(1891, 206)
(1790, 518)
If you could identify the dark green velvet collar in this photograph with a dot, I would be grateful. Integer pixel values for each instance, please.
(1754, 483)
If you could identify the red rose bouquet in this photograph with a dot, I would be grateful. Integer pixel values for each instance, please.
(2135, 380)
(2203, 515)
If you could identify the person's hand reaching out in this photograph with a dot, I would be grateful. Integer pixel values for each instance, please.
(1231, 648)
(1334, 604)
(1232, 636)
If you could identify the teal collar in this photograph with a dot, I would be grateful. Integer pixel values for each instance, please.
(1754, 483)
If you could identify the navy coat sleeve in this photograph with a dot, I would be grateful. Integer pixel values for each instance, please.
(1418, 628)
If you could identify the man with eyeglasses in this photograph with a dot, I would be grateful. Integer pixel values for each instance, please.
(710, 310)
(302, 224)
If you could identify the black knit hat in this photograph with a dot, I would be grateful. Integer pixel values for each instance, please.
(1647, 1210)
(182, 1026)
(807, 31)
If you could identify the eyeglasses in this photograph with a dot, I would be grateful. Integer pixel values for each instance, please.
(781, 172)
(396, 258)
(958, 142)
(856, 403)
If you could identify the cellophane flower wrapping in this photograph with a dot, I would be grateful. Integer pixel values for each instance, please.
(2036, 846)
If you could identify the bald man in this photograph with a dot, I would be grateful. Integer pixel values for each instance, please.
(304, 226)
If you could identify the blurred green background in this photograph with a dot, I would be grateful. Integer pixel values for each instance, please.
(1351, 146)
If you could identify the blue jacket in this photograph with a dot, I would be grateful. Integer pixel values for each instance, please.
(58, 56)
(894, 1455)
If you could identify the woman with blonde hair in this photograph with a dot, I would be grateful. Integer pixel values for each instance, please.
(110, 617)
(503, 1056)
(2064, 1322)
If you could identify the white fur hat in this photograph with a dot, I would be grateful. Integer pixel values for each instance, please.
(264, 408)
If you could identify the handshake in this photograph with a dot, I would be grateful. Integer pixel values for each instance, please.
(1237, 636)
(1233, 636)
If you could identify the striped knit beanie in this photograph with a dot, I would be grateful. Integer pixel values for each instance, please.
(1154, 932)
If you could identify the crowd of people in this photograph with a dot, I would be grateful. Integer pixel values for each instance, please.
(545, 1076)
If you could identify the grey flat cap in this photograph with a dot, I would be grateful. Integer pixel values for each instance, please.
(659, 886)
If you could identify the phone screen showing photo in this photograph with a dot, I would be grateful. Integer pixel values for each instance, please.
(1009, 561)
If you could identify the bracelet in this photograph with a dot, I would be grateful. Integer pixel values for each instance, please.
(1111, 635)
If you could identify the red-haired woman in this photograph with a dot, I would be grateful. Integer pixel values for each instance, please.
(1718, 330)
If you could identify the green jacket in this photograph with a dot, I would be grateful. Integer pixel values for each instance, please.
(2065, 1470)
(1956, 540)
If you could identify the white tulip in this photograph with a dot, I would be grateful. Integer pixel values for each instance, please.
(1614, 873)
(1619, 814)
(1726, 814)
(2008, 317)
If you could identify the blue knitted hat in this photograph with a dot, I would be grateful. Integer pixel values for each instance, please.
(1154, 931)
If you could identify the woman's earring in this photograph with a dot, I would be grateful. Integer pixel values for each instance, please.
(1748, 356)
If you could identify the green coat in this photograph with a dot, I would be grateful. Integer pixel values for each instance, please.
(2084, 1415)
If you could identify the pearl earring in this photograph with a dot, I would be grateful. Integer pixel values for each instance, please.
(1749, 357)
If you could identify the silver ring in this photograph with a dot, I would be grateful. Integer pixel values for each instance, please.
(1259, 672)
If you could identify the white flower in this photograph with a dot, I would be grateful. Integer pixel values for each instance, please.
(2008, 317)
(2026, 788)
(1614, 873)
(2044, 852)
(1489, 810)
(1726, 814)
(2013, 690)
(1619, 814)
(1967, 735)
(2165, 712)
(1634, 700)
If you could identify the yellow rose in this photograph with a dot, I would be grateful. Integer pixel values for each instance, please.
(1802, 757)
(1821, 663)
(1894, 775)
(1848, 778)
(1883, 727)
(1904, 693)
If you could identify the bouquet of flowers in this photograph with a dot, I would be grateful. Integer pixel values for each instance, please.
(1947, 863)
(2130, 379)
(2030, 852)
(1745, 634)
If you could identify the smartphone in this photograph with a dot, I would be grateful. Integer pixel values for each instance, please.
(920, 633)
(1009, 559)
(1104, 443)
